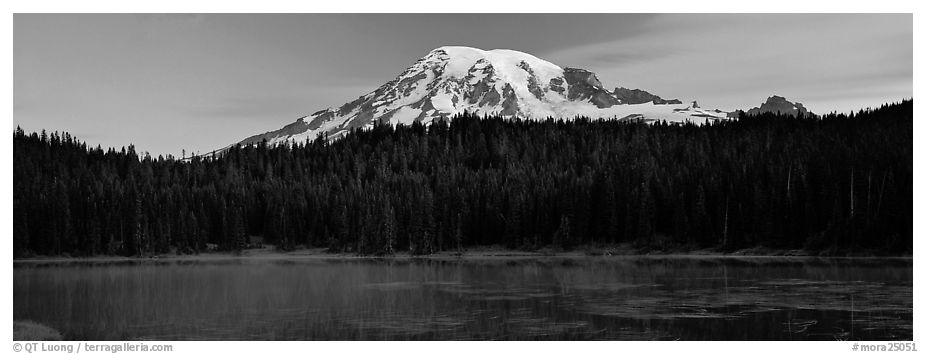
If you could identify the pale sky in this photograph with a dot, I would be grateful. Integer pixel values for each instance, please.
(200, 82)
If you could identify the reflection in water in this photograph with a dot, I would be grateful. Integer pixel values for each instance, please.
(610, 298)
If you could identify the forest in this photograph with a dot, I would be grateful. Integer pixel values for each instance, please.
(837, 184)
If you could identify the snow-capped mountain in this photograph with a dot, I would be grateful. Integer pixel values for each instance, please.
(451, 80)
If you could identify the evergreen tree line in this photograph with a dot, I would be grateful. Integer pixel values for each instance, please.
(835, 184)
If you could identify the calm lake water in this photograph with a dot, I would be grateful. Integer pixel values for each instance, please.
(591, 298)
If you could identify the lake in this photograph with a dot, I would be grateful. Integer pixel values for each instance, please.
(495, 298)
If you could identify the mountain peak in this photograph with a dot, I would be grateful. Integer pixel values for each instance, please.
(454, 79)
(463, 51)
(779, 105)
(461, 60)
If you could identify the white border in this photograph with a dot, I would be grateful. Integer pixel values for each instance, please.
(468, 6)
(664, 6)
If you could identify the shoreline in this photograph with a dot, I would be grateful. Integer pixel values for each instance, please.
(476, 253)
(27, 330)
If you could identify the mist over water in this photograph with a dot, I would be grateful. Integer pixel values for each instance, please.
(551, 298)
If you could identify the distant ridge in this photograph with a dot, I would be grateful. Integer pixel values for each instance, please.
(779, 105)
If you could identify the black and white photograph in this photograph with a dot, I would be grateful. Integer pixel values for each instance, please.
(306, 177)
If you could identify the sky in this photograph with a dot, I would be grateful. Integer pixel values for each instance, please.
(169, 83)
